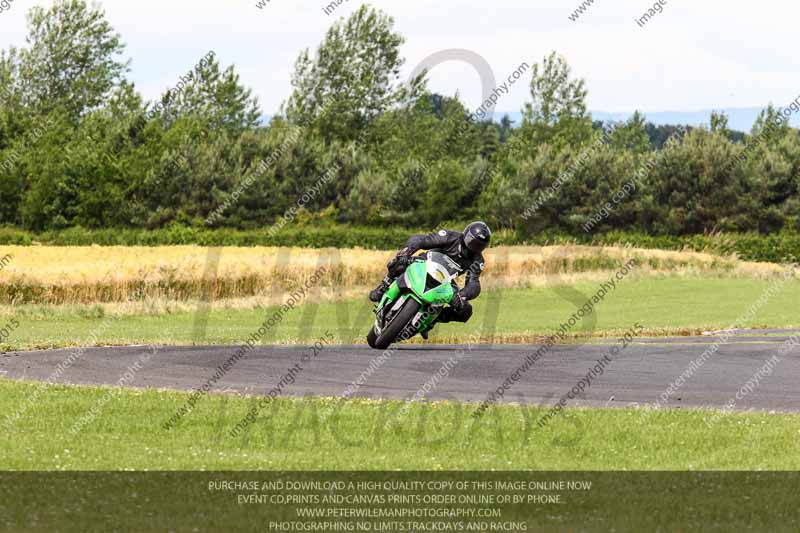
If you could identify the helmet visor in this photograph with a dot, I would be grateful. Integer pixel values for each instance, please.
(474, 243)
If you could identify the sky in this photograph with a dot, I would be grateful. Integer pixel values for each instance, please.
(694, 55)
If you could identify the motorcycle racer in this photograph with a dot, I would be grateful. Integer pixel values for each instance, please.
(465, 248)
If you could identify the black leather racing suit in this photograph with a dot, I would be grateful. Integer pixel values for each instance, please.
(451, 244)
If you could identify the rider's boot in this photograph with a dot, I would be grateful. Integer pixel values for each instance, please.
(376, 294)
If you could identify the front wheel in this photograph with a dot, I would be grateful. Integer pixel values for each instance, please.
(390, 333)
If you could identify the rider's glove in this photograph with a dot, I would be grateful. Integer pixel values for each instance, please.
(399, 261)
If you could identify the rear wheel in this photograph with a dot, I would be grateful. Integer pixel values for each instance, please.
(397, 326)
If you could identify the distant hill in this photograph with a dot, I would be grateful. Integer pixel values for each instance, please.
(740, 119)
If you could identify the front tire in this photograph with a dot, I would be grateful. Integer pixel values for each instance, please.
(396, 326)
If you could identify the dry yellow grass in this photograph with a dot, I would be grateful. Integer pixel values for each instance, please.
(254, 276)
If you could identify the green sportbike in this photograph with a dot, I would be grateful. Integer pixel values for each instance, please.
(414, 301)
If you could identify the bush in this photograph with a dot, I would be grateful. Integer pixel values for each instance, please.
(13, 236)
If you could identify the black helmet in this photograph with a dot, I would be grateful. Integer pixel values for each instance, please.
(477, 237)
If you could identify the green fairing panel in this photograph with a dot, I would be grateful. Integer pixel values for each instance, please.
(416, 274)
(441, 295)
(391, 294)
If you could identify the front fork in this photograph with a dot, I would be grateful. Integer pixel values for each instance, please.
(392, 299)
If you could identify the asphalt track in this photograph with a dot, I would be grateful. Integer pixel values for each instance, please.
(638, 375)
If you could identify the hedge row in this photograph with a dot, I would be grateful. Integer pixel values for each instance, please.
(776, 247)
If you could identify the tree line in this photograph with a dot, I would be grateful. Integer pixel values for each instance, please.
(354, 144)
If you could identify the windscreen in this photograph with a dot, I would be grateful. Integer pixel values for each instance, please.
(440, 267)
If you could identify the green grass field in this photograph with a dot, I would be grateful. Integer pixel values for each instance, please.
(367, 435)
(663, 305)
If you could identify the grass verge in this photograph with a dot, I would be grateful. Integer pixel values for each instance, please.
(664, 305)
(312, 434)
